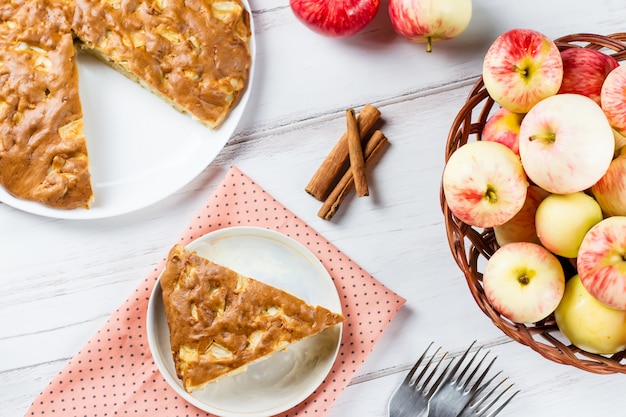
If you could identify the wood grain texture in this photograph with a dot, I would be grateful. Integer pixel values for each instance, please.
(62, 279)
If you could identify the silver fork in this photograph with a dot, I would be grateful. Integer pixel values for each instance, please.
(456, 392)
(412, 397)
(477, 408)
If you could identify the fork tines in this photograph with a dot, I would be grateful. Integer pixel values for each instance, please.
(462, 391)
(489, 404)
(426, 387)
(482, 403)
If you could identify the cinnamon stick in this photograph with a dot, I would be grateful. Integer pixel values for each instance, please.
(355, 154)
(338, 194)
(336, 163)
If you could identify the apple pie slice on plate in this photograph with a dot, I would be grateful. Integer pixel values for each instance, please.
(218, 334)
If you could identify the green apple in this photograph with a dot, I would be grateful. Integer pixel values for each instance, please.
(589, 324)
(562, 220)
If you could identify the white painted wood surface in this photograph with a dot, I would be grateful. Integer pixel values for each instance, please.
(61, 279)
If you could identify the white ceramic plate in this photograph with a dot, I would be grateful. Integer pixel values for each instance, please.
(286, 378)
(163, 149)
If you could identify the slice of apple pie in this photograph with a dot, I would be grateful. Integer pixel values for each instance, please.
(220, 321)
(43, 152)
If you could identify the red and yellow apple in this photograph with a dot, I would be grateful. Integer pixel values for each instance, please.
(566, 143)
(426, 21)
(524, 282)
(522, 67)
(503, 126)
(521, 228)
(587, 323)
(484, 183)
(584, 71)
(601, 262)
(610, 190)
(563, 220)
(613, 98)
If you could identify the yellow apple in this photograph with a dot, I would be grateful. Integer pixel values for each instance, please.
(562, 220)
(589, 324)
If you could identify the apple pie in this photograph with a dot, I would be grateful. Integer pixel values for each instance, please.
(220, 321)
(194, 54)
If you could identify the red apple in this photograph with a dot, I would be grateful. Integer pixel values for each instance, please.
(613, 98)
(521, 228)
(484, 183)
(566, 143)
(426, 21)
(584, 71)
(601, 262)
(522, 67)
(335, 18)
(503, 126)
(610, 191)
(524, 282)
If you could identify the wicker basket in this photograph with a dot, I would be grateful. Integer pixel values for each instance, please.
(471, 247)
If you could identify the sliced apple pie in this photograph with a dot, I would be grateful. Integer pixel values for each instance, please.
(194, 54)
(220, 321)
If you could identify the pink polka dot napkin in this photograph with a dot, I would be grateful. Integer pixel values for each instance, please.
(114, 373)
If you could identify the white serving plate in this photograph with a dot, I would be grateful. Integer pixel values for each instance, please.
(141, 150)
(286, 378)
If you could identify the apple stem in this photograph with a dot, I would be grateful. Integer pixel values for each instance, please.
(520, 70)
(491, 195)
(524, 280)
(429, 44)
(546, 137)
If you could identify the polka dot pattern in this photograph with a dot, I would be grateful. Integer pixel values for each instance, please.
(114, 373)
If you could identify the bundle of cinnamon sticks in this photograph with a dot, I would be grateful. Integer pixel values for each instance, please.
(344, 167)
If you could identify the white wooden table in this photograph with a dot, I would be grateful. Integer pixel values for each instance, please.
(61, 279)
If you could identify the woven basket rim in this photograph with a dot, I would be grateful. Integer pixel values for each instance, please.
(469, 244)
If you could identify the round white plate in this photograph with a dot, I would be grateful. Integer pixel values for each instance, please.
(286, 378)
(141, 149)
